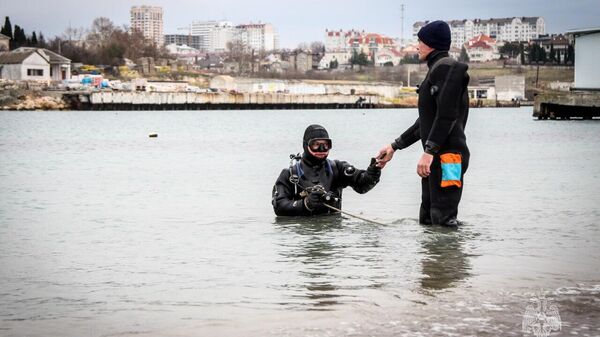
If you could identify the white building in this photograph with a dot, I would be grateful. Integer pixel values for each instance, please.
(220, 36)
(387, 57)
(214, 35)
(340, 46)
(29, 65)
(347, 41)
(342, 59)
(481, 52)
(257, 36)
(587, 49)
(149, 21)
(184, 53)
(180, 39)
(60, 66)
(514, 29)
(34, 64)
(482, 48)
(337, 41)
(510, 88)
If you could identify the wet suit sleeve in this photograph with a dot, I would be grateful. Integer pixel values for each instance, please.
(449, 81)
(408, 138)
(362, 181)
(283, 197)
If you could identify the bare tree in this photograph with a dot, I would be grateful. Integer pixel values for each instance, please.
(101, 31)
(74, 34)
(238, 52)
(317, 47)
(303, 46)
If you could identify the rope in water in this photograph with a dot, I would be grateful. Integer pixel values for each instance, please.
(352, 215)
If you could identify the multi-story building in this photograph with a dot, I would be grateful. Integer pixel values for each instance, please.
(220, 36)
(514, 29)
(193, 41)
(257, 36)
(349, 41)
(371, 43)
(149, 21)
(214, 35)
(341, 41)
(559, 43)
(336, 41)
(482, 48)
(341, 45)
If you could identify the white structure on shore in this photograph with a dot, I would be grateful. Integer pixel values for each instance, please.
(587, 49)
(35, 64)
(298, 87)
(149, 21)
(514, 29)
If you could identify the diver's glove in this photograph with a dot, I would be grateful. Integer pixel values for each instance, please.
(314, 200)
(373, 171)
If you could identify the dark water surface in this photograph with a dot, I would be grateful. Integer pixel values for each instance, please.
(106, 232)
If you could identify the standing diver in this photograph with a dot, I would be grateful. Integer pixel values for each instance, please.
(443, 112)
(312, 180)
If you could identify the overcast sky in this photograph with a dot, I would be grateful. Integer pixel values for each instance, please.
(299, 20)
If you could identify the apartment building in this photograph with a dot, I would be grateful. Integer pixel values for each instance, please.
(257, 36)
(149, 21)
(514, 29)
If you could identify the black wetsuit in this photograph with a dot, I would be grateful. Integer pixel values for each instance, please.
(443, 113)
(333, 175)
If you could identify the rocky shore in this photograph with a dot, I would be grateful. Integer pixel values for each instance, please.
(32, 102)
(25, 95)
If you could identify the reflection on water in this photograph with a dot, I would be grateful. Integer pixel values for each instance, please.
(444, 260)
(321, 247)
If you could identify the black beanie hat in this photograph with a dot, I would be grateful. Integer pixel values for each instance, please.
(313, 132)
(436, 35)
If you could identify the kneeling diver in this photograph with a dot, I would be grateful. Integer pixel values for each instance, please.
(313, 181)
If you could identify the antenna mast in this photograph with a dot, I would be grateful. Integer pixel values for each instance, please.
(402, 23)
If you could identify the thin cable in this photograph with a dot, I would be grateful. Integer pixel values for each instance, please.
(352, 215)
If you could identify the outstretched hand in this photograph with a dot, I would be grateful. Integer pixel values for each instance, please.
(384, 156)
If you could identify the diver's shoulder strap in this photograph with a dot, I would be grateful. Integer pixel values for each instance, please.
(443, 61)
(295, 171)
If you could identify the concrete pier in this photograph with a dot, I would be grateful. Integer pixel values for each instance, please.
(216, 101)
(567, 105)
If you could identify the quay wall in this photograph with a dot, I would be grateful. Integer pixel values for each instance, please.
(170, 98)
(112, 100)
(567, 105)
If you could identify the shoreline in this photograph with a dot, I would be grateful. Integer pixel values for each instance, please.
(152, 101)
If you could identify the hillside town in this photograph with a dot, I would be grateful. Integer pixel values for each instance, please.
(223, 56)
